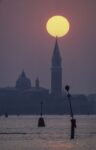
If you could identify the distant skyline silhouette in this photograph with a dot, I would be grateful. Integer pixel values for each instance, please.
(25, 98)
(25, 43)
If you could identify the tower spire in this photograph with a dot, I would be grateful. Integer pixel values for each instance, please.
(56, 71)
(56, 58)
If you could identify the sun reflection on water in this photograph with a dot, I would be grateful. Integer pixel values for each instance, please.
(58, 145)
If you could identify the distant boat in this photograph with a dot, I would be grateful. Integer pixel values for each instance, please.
(6, 115)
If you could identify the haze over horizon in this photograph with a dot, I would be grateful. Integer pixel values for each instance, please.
(25, 43)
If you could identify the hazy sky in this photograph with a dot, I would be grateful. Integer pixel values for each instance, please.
(25, 43)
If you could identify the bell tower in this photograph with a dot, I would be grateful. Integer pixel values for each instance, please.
(56, 72)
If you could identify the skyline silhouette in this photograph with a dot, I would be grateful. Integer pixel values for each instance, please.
(25, 43)
(24, 97)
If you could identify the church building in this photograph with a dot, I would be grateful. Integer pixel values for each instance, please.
(26, 97)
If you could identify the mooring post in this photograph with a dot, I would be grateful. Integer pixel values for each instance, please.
(41, 122)
(41, 109)
(73, 126)
(73, 121)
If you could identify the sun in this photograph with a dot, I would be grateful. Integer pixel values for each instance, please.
(57, 26)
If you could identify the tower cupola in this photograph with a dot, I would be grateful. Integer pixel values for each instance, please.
(37, 83)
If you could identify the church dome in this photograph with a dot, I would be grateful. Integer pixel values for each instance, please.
(23, 82)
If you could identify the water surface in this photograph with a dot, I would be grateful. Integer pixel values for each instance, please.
(22, 133)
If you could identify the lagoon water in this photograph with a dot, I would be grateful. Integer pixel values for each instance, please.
(22, 133)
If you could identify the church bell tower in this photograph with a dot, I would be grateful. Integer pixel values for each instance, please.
(56, 72)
